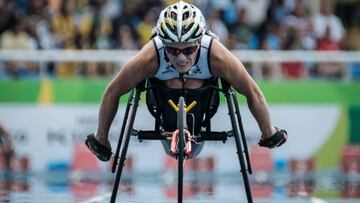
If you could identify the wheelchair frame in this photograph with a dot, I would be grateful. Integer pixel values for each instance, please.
(237, 132)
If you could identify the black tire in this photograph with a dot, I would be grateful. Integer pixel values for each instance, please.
(181, 124)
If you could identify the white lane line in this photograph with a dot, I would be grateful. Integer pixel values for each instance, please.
(97, 198)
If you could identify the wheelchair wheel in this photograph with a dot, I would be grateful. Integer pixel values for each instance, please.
(134, 101)
(240, 141)
(181, 124)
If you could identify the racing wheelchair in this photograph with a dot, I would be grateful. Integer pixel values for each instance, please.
(181, 133)
(182, 128)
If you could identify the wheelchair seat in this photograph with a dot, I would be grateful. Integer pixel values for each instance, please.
(207, 98)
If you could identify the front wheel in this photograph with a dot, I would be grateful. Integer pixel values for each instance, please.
(181, 124)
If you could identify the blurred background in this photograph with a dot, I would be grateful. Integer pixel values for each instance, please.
(57, 56)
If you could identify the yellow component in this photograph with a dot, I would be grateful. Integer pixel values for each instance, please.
(176, 108)
(187, 109)
(169, 21)
(173, 22)
(172, 104)
(188, 21)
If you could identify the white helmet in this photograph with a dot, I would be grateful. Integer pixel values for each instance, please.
(180, 22)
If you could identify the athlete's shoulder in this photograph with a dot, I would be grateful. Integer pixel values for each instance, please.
(221, 59)
(218, 51)
(148, 51)
(147, 58)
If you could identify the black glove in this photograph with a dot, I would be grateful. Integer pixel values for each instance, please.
(276, 140)
(101, 151)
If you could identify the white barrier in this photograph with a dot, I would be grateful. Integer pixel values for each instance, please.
(119, 57)
(124, 55)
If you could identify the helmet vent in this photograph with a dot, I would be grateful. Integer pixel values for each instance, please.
(194, 35)
(186, 29)
(173, 15)
(186, 15)
(172, 29)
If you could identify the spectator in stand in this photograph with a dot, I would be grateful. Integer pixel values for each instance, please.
(126, 24)
(299, 36)
(293, 70)
(271, 41)
(230, 14)
(352, 39)
(40, 14)
(94, 27)
(125, 39)
(326, 42)
(330, 32)
(16, 38)
(241, 33)
(7, 10)
(255, 11)
(128, 17)
(144, 29)
(216, 25)
(64, 31)
(326, 23)
(273, 37)
(329, 70)
(300, 20)
(109, 8)
(63, 25)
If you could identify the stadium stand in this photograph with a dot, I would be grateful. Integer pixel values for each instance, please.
(126, 25)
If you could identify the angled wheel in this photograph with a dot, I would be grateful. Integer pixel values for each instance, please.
(124, 145)
(116, 157)
(236, 123)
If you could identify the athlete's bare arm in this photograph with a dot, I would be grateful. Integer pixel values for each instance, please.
(138, 68)
(225, 65)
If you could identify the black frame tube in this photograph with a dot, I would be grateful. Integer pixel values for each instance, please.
(242, 133)
(113, 169)
(128, 130)
(228, 92)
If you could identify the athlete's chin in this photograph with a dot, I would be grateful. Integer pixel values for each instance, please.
(182, 68)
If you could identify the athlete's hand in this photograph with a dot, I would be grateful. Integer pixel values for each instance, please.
(101, 151)
(276, 140)
(103, 140)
